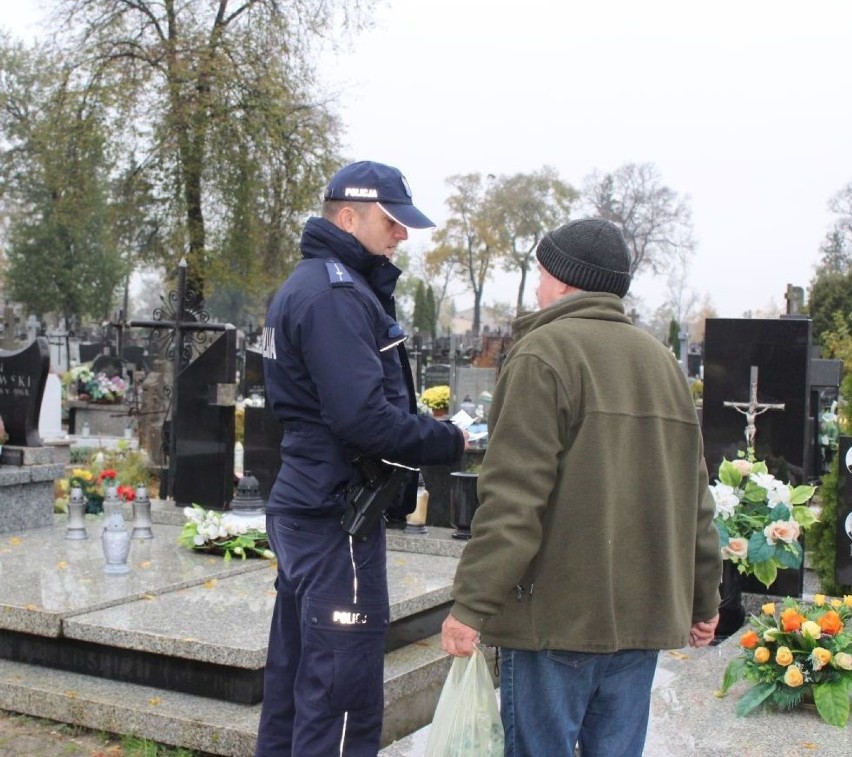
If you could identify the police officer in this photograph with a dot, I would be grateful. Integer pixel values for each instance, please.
(338, 378)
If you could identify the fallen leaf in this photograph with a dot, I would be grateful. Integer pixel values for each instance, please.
(678, 655)
(145, 564)
(31, 607)
(154, 701)
(71, 693)
(149, 597)
(62, 565)
(211, 584)
(15, 541)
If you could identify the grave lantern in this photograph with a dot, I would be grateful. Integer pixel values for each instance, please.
(247, 501)
(115, 540)
(76, 528)
(142, 514)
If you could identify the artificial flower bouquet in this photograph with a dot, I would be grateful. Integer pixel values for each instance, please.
(97, 387)
(760, 518)
(225, 534)
(803, 651)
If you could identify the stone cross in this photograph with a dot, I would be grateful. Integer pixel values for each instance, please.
(752, 409)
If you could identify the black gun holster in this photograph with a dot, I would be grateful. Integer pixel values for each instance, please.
(379, 485)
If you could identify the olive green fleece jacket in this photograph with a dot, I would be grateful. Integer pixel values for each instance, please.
(595, 528)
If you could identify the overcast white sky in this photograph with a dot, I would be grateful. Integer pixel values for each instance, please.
(742, 104)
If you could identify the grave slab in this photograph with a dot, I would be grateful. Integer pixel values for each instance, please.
(46, 578)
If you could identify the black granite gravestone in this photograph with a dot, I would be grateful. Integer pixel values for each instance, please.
(262, 442)
(437, 374)
(88, 351)
(203, 467)
(843, 556)
(23, 376)
(109, 365)
(825, 378)
(780, 351)
(135, 358)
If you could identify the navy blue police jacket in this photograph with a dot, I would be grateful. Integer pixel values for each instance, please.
(338, 377)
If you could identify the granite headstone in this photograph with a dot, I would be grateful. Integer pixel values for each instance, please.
(23, 375)
(779, 349)
(203, 467)
(843, 557)
(262, 442)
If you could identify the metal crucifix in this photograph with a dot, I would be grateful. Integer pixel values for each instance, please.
(752, 409)
(185, 320)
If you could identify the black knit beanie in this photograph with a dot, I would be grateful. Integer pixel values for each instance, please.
(589, 254)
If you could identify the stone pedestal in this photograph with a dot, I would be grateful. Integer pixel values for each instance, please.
(102, 420)
(26, 489)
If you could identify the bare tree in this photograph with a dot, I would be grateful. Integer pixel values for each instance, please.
(655, 220)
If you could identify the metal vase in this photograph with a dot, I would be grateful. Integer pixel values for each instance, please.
(463, 502)
(76, 528)
(142, 515)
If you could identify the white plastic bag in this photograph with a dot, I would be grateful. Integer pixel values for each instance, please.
(467, 719)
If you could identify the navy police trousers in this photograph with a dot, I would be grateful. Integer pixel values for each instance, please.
(323, 687)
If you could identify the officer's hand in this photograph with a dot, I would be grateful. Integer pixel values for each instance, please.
(466, 434)
(458, 639)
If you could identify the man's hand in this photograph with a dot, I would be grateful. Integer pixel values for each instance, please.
(702, 633)
(458, 639)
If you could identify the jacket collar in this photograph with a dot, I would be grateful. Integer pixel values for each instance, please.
(322, 239)
(599, 306)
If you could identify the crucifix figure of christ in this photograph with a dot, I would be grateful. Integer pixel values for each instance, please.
(186, 321)
(752, 409)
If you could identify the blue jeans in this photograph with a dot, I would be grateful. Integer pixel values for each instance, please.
(551, 700)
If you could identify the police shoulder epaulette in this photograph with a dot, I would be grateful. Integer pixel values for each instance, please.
(338, 276)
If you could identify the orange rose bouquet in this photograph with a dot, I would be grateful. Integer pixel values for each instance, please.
(803, 651)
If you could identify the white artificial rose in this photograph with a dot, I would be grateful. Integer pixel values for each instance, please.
(778, 495)
(726, 498)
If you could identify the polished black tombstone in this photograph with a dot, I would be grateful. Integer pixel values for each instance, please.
(437, 374)
(136, 358)
(262, 441)
(89, 351)
(23, 376)
(203, 467)
(843, 556)
(780, 350)
(109, 365)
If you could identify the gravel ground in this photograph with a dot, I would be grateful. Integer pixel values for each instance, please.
(25, 736)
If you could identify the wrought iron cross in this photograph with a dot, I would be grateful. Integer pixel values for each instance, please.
(186, 323)
(752, 409)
